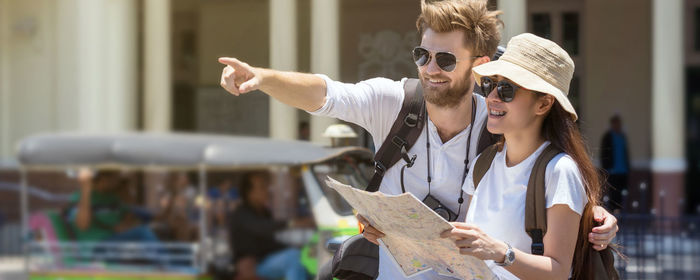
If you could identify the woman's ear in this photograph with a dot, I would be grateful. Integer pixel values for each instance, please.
(544, 104)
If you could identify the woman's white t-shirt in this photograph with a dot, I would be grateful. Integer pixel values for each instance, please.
(498, 204)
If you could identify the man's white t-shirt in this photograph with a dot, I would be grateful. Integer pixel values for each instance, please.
(498, 203)
(374, 105)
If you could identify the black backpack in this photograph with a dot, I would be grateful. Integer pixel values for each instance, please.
(357, 258)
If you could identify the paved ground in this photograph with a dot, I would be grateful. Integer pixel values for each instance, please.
(649, 257)
(11, 268)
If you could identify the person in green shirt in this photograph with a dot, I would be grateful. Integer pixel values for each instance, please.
(100, 214)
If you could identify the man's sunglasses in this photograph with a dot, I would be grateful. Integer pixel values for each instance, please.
(445, 60)
(505, 89)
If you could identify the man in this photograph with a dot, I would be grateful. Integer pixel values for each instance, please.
(256, 251)
(615, 160)
(101, 213)
(176, 206)
(455, 36)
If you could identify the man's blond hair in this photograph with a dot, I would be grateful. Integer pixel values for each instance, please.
(480, 26)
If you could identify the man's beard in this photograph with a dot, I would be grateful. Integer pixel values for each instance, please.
(451, 97)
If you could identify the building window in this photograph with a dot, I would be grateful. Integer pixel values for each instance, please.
(570, 33)
(542, 25)
(697, 29)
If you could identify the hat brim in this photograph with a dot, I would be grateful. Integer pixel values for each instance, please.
(525, 79)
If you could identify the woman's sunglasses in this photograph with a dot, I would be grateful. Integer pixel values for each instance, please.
(505, 89)
(445, 60)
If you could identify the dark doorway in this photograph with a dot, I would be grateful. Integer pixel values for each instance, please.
(692, 188)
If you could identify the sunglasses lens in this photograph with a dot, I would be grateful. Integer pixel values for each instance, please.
(506, 91)
(420, 56)
(446, 61)
(486, 86)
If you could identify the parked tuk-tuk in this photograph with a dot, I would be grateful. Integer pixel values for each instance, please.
(49, 254)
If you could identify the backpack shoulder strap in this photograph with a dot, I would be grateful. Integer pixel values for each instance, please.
(483, 163)
(535, 203)
(404, 133)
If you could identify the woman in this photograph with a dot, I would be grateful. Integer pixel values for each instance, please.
(527, 100)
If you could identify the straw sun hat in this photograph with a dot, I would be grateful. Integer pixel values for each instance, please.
(536, 64)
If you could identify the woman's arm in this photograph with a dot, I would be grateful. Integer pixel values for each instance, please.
(559, 245)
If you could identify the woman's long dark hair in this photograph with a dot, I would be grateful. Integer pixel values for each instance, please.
(560, 129)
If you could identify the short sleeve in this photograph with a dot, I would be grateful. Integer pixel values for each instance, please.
(372, 104)
(564, 184)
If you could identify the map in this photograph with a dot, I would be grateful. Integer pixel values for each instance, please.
(412, 233)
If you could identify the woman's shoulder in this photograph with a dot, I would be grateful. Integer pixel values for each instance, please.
(564, 183)
(562, 162)
(562, 168)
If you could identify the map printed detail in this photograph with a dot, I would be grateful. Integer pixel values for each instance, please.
(412, 234)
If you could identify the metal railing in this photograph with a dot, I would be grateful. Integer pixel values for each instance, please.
(114, 256)
(659, 247)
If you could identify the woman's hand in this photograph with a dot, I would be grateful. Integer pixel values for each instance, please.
(470, 240)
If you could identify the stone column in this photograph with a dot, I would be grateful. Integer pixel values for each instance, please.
(5, 146)
(514, 18)
(157, 82)
(325, 53)
(283, 56)
(668, 111)
(121, 34)
(105, 63)
(90, 64)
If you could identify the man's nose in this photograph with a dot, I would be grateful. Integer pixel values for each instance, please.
(432, 67)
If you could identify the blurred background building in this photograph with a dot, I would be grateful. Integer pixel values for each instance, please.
(151, 65)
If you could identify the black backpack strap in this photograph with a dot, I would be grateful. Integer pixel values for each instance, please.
(535, 203)
(483, 163)
(404, 133)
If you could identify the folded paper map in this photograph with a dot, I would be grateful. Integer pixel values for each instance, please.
(412, 233)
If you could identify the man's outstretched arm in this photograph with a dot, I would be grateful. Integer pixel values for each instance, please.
(300, 90)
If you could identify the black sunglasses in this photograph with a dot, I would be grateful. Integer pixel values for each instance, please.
(445, 60)
(505, 89)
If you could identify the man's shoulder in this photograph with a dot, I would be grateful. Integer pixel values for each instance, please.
(387, 93)
(383, 85)
(244, 211)
(109, 198)
(372, 90)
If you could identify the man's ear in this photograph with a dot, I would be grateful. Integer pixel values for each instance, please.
(481, 60)
(544, 104)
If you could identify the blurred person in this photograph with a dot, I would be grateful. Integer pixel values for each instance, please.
(102, 212)
(176, 205)
(223, 198)
(253, 233)
(614, 157)
(456, 35)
